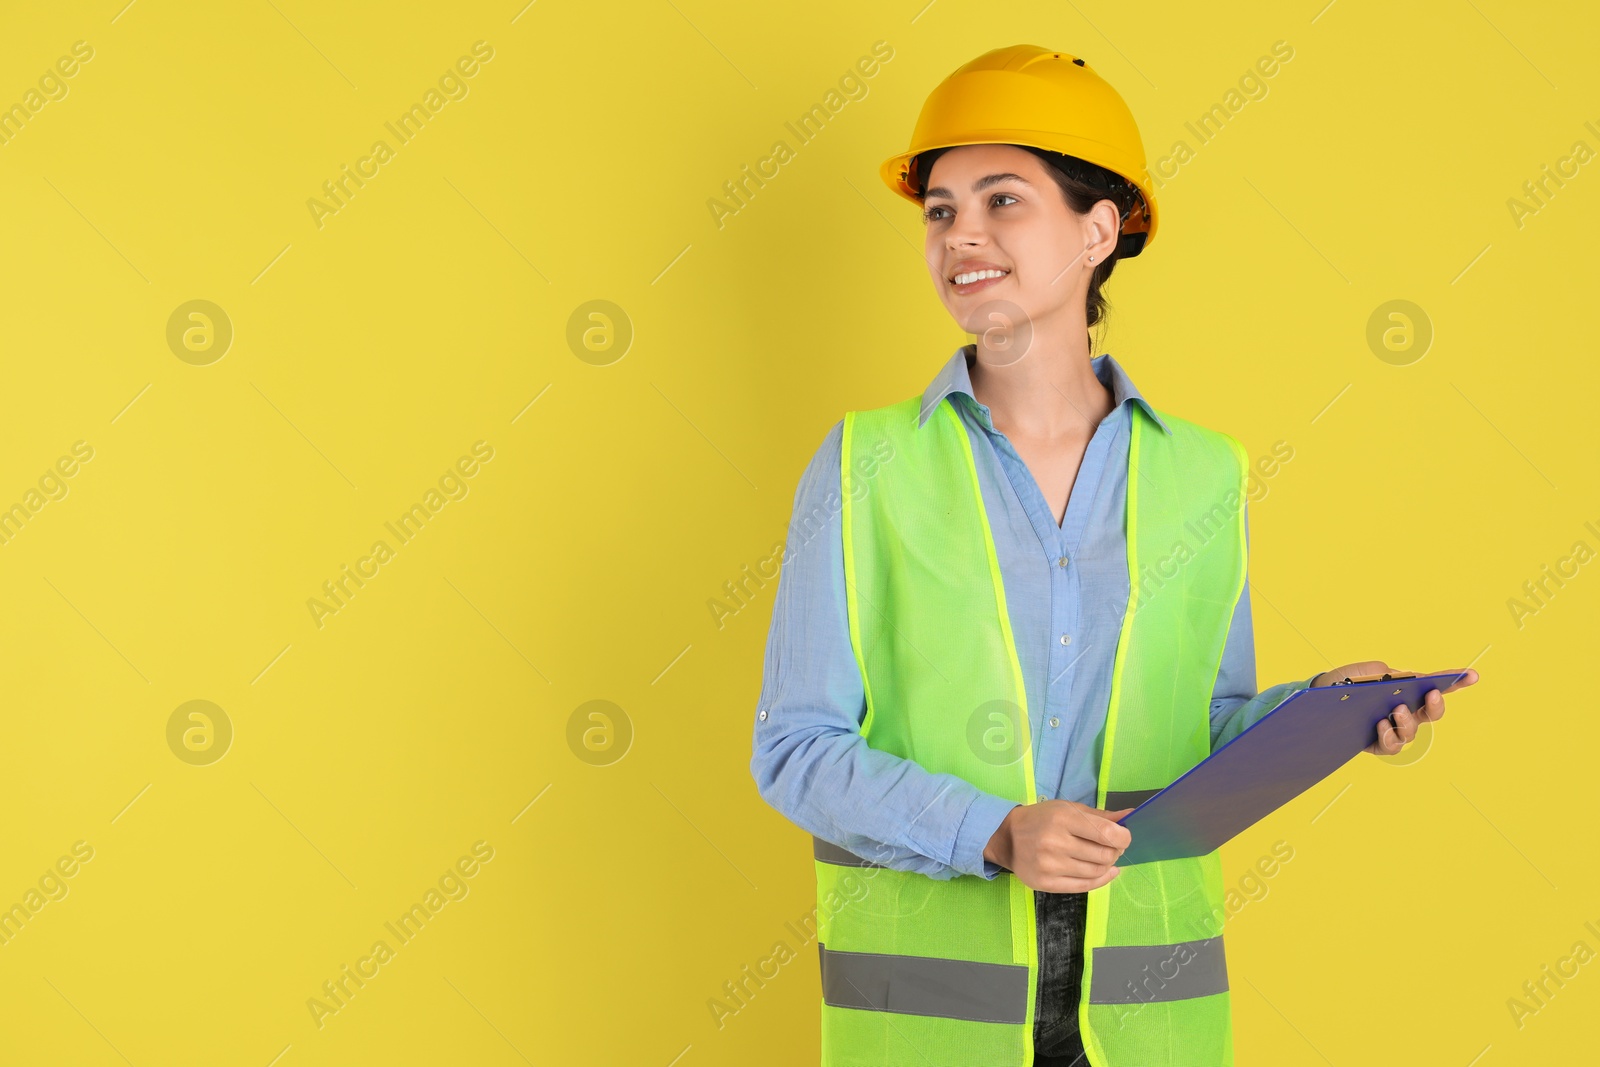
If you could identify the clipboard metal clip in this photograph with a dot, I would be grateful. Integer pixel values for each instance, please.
(1387, 676)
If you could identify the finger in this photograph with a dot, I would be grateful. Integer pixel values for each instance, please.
(1077, 885)
(1076, 867)
(1405, 723)
(1433, 706)
(1092, 827)
(1470, 679)
(1079, 848)
(1388, 741)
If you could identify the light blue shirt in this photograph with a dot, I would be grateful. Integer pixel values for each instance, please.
(1066, 590)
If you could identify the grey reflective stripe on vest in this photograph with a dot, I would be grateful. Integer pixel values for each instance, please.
(924, 985)
(1116, 800)
(1144, 974)
(828, 852)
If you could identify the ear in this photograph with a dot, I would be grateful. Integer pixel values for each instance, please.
(1104, 231)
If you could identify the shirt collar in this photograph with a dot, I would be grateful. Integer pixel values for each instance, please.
(953, 378)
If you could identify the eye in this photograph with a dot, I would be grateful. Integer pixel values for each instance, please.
(930, 214)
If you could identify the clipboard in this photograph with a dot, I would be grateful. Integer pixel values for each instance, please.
(1281, 755)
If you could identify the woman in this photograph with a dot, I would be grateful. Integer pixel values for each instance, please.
(960, 696)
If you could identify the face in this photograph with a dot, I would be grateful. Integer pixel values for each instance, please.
(996, 208)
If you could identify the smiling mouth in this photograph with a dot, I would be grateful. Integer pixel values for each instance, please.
(977, 280)
(968, 277)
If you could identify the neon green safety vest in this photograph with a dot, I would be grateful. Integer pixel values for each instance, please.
(918, 971)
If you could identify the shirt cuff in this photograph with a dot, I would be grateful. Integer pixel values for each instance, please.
(982, 819)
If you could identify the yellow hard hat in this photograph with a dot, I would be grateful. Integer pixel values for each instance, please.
(1027, 95)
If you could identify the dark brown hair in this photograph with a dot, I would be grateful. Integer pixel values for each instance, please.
(1083, 184)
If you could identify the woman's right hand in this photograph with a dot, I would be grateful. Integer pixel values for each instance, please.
(1060, 846)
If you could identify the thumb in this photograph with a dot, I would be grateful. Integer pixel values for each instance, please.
(1116, 816)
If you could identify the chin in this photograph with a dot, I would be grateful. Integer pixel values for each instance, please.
(983, 311)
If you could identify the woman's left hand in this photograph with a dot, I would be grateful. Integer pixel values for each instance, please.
(1396, 734)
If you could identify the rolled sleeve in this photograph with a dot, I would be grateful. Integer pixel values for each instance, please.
(983, 818)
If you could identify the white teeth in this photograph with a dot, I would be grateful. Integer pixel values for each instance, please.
(978, 275)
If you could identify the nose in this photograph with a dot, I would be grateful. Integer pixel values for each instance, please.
(964, 232)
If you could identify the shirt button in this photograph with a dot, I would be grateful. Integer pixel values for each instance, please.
(1054, 721)
(1066, 639)
(1041, 798)
(763, 715)
(1062, 562)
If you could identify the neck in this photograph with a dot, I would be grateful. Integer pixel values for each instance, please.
(1041, 396)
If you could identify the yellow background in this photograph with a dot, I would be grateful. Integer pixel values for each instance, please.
(432, 311)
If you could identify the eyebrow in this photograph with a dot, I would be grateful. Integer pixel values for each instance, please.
(979, 185)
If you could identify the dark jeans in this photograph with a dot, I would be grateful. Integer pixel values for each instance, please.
(1056, 1041)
